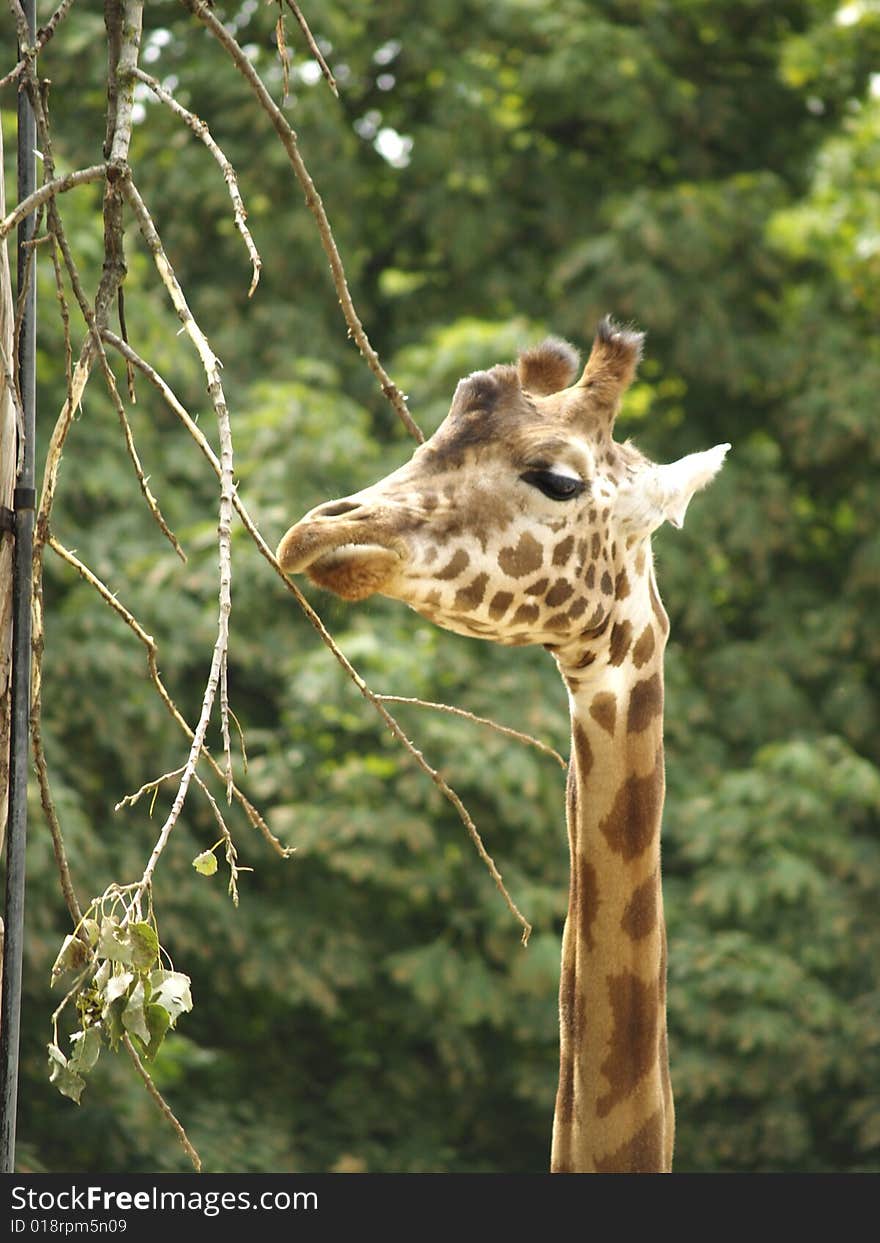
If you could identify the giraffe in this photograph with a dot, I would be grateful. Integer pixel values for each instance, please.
(521, 520)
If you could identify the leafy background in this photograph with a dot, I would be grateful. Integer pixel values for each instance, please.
(492, 172)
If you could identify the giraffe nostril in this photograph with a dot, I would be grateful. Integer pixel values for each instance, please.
(336, 509)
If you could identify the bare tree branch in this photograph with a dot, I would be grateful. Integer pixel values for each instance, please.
(267, 553)
(47, 191)
(164, 1107)
(479, 720)
(313, 47)
(44, 34)
(313, 201)
(200, 129)
(152, 650)
(211, 365)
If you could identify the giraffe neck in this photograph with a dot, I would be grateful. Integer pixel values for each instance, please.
(614, 1109)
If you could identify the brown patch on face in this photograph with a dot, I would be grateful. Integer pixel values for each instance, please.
(587, 899)
(559, 592)
(587, 659)
(634, 818)
(603, 710)
(563, 549)
(633, 1047)
(457, 564)
(430, 554)
(471, 597)
(642, 1154)
(621, 636)
(525, 615)
(499, 604)
(645, 703)
(538, 587)
(606, 584)
(428, 501)
(583, 752)
(579, 607)
(640, 916)
(659, 611)
(596, 545)
(644, 648)
(527, 556)
(591, 576)
(559, 621)
(621, 586)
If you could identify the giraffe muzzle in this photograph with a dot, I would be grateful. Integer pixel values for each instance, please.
(340, 553)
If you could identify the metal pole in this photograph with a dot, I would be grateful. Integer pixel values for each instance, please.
(24, 500)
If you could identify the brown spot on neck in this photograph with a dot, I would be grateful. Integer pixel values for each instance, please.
(603, 710)
(587, 900)
(640, 916)
(621, 635)
(644, 648)
(633, 822)
(582, 751)
(644, 1153)
(633, 1047)
(645, 703)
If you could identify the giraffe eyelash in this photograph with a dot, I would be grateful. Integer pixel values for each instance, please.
(555, 486)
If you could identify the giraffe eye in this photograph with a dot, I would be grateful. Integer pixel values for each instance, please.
(556, 487)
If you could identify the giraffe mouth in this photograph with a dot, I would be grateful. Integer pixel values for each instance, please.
(354, 571)
(352, 568)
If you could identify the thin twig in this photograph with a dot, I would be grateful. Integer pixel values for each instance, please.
(164, 1107)
(48, 190)
(65, 318)
(267, 553)
(44, 34)
(211, 365)
(129, 800)
(313, 47)
(313, 201)
(480, 720)
(152, 650)
(229, 845)
(40, 763)
(283, 54)
(200, 129)
(91, 319)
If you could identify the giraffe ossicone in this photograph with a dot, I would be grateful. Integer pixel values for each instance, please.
(521, 520)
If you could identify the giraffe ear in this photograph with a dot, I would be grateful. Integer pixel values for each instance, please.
(612, 363)
(548, 367)
(663, 493)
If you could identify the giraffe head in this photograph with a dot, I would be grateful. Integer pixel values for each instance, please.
(518, 519)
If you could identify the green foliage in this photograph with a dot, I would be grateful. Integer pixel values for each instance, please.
(707, 168)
